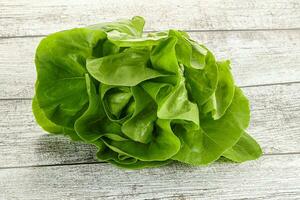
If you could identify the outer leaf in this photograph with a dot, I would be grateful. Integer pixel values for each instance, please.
(245, 149)
(60, 62)
(127, 162)
(141, 164)
(42, 120)
(109, 155)
(207, 144)
(48, 125)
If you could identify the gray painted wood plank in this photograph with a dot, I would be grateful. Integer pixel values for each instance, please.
(23, 143)
(261, 57)
(275, 124)
(258, 57)
(271, 177)
(35, 17)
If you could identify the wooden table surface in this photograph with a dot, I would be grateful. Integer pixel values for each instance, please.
(261, 37)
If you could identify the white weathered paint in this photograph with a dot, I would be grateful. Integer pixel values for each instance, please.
(270, 177)
(35, 17)
(258, 57)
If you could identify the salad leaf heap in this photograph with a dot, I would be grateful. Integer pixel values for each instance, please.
(143, 100)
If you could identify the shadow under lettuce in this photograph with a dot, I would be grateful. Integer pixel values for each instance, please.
(57, 149)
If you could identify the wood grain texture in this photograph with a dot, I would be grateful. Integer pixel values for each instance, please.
(35, 17)
(23, 143)
(275, 124)
(270, 177)
(35, 165)
(258, 57)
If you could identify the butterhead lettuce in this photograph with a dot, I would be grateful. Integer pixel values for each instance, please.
(144, 100)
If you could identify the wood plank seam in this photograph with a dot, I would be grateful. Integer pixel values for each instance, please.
(275, 110)
(188, 31)
(35, 17)
(251, 53)
(244, 86)
(266, 178)
(103, 162)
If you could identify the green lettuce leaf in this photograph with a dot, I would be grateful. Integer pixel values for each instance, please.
(223, 95)
(245, 149)
(60, 63)
(127, 68)
(144, 100)
(207, 144)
